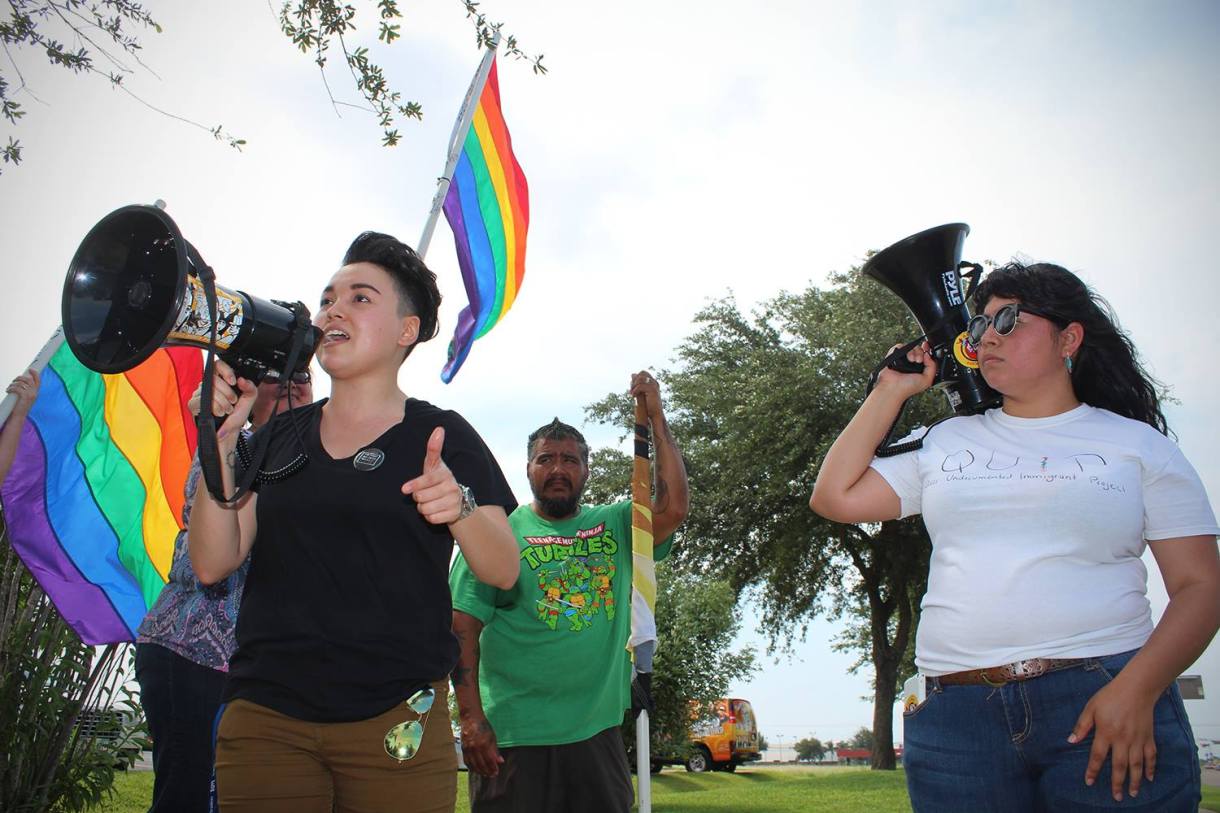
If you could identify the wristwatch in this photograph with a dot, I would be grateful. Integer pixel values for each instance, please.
(468, 503)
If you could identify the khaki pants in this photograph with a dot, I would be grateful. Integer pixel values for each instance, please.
(267, 762)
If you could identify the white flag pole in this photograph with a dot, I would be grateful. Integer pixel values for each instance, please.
(643, 764)
(40, 361)
(456, 140)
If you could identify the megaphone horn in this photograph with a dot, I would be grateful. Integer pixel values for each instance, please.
(135, 285)
(924, 271)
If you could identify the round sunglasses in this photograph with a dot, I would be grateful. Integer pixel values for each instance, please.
(1003, 321)
(403, 740)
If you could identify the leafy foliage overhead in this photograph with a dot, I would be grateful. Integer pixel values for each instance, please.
(315, 25)
(102, 38)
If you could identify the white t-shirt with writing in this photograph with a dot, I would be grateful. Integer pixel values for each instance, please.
(1037, 527)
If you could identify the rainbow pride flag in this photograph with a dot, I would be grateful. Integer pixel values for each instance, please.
(94, 499)
(488, 209)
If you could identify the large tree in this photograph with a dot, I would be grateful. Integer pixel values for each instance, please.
(755, 401)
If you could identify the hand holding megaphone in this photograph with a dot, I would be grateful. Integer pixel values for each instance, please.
(233, 398)
(925, 272)
(908, 370)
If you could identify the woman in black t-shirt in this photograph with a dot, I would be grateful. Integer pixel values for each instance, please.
(344, 630)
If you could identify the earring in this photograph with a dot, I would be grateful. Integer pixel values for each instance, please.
(1067, 361)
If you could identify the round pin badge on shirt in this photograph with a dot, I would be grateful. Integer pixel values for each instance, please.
(368, 459)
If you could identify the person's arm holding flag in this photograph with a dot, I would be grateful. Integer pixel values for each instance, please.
(25, 389)
(671, 490)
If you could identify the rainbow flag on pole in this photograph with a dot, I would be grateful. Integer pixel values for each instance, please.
(488, 209)
(94, 499)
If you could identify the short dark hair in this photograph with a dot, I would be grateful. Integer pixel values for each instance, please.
(414, 282)
(557, 430)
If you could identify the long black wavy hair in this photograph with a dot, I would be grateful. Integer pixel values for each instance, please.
(1106, 371)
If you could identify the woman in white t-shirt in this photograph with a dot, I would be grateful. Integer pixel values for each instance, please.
(1043, 683)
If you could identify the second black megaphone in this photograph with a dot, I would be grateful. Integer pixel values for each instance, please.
(135, 285)
(924, 270)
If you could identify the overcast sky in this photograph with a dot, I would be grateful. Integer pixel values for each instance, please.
(674, 152)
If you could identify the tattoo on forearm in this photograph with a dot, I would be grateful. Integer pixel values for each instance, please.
(661, 497)
(459, 675)
(231, 460)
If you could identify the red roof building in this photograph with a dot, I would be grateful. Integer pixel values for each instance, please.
(861, 756)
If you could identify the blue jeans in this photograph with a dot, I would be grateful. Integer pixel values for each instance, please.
(983, 749)
(180, 700)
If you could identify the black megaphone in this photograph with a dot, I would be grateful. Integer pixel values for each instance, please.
(135, 285)
(924, 270)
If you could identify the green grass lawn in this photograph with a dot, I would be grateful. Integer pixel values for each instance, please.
(760, 790)
(1211, 799)
(764, 790)
(781, 790)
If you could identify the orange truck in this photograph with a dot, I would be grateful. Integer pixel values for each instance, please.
(727, 741)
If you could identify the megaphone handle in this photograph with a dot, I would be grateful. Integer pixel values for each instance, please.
(973, 275)
(897, 360)
(904, 366)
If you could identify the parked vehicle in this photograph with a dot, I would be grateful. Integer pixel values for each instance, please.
(727, 741)
(112, 729)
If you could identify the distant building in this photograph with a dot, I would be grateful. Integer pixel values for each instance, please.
(861, 756)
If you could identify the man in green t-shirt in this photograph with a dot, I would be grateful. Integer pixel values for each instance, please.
(544, 674)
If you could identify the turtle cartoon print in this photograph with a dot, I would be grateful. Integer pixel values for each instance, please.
(575, 577)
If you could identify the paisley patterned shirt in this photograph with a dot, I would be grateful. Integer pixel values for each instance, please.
(188, 618)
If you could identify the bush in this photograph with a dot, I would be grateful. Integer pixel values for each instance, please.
(47, 676)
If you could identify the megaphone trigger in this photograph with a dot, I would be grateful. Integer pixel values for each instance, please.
(897, 360)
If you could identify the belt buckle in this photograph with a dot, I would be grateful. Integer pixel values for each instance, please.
(1030, 668)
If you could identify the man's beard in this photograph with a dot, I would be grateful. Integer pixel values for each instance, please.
(561, 507)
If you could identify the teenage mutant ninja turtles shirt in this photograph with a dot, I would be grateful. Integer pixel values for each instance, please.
(553, 666)
(1038, 526)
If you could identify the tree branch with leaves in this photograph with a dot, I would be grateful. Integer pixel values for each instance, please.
(103, 38)
(78, 35)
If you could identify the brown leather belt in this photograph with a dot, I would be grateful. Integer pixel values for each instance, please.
(1009, 672)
